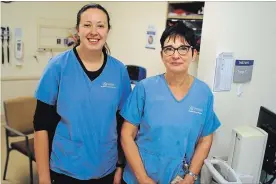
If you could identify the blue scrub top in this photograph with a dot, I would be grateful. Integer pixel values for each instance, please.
(169, 129)
(85, 141)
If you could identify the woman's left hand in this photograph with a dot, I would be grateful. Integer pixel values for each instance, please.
(187, 180)
(118, 175)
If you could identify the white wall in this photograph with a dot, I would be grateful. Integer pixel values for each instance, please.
(248, 30)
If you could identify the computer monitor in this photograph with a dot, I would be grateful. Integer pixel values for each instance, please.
(267, 121)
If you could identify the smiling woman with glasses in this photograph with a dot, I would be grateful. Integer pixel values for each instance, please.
(175, 116)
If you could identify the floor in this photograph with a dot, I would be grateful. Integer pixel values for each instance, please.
(18, 166)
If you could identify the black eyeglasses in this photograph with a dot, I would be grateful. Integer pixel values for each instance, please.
(182, 50)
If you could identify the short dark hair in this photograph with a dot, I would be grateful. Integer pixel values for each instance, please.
(97, 6)
(179, 29)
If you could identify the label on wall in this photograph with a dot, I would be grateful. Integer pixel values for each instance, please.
(151, 37)
(243, 71)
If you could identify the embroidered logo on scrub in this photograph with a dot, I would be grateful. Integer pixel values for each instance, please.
(108, 85)
(195, 110)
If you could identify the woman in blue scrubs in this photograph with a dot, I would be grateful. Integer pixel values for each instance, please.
(175, 116)
(87, 87)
